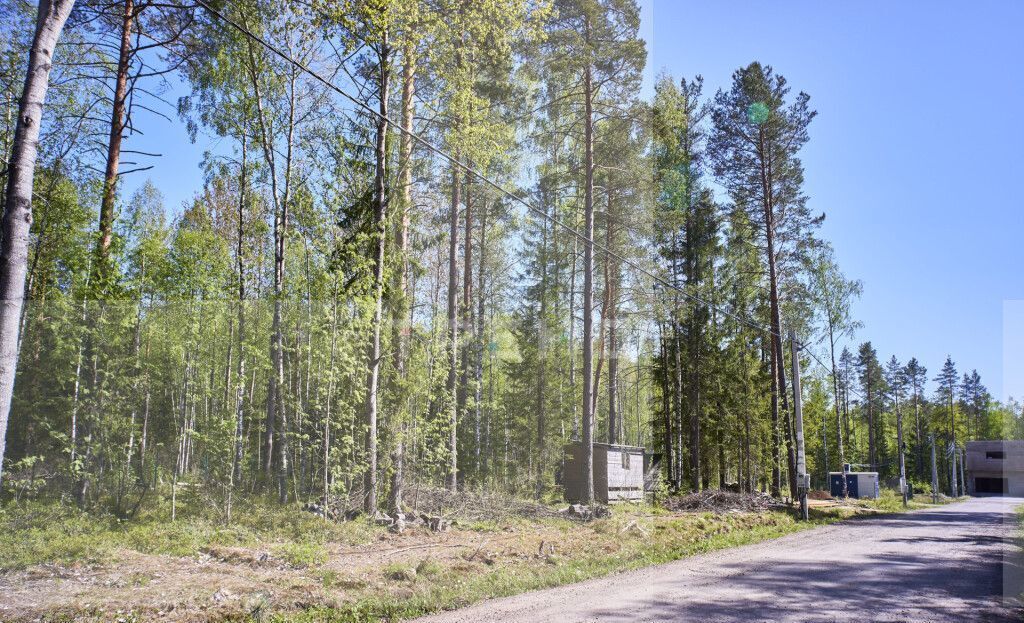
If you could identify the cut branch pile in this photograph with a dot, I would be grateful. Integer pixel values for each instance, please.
(717, 501)
(475, 505)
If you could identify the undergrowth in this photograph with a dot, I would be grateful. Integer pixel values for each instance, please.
(661, 539)
(633, 536)
(40, 532)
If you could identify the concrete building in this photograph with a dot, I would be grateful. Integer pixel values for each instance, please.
(995, 468)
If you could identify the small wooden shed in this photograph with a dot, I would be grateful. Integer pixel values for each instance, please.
(618, 472)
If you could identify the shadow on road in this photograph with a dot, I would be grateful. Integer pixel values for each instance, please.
(924, 583)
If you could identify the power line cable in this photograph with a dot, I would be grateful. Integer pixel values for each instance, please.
(805, 348)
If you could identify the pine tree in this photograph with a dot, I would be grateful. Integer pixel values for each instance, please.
(916, 376)
(975, 398)
(597, 43)
(870, 376)
(765, 175)
(896, 379)
(947, 379)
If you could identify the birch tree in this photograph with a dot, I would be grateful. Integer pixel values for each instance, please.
(17, 217)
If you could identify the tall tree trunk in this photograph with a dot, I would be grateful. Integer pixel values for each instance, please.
(789, 425)
(572, 334)
(693, 334)
(696, 396)
(451, 479)
(872, 443)
(402, 310)
(380, 202)
(236, 468)
(281, 237)
(720, 442)
(17, 218)
(677, 397)
(666, 405)
(275, 381)
(611, 310)
(602, 325)
(748, 460)
(326, 446)
(267, 449)
(478, 375)
(542, 340)
(778, 386)
(919, 439)
(117, 126)
(835, 394)
(952, 436)
(466, 308)
(778, 373)
(588, 279)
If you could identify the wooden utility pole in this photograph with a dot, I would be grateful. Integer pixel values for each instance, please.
(953, 488)
(935, 473)
(802, 478)
(962, 454)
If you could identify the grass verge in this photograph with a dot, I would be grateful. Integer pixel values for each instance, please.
(632, 538)
(319, 576)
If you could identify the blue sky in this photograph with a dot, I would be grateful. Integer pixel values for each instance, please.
(914, 155)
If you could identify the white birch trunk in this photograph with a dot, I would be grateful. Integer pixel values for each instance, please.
(17, 217)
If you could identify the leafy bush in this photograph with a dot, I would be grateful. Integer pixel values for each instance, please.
(302, 554)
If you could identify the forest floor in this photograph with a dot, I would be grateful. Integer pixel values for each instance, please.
(274, 563)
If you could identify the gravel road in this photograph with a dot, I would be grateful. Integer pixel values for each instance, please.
(951, 564)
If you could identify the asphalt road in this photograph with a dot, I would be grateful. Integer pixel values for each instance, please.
(952, 564)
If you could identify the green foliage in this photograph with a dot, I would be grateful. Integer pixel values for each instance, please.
(302, 554)
(163, 399)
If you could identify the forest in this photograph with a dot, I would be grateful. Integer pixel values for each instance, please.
(436, 242)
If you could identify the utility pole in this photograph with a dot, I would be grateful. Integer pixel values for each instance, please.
(935, 474)
(802, 478)
(899, 444)
(952, 470)
(962, 453)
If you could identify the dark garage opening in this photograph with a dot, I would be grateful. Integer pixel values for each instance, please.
(990, 486)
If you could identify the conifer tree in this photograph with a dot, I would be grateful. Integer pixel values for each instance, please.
(916, 376)
(947, 379)
(754, 150)
(869, 372)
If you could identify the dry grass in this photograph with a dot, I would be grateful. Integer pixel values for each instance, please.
(291, 565)
(717, 501)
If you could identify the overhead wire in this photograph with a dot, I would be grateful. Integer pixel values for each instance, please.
(469, 168)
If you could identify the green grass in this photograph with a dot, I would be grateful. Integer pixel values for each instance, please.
(634, 536)
(890, 501)
(41, 532)
(668, 539)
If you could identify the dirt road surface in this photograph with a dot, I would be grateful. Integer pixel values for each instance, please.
(952, 564)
